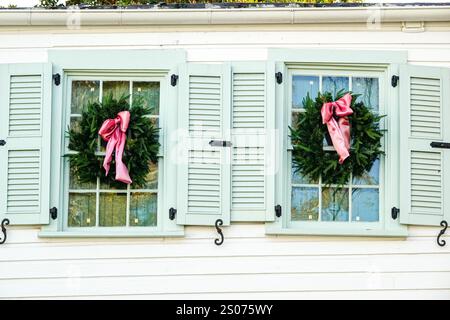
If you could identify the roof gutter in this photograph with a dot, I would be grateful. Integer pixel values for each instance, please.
(247, 16)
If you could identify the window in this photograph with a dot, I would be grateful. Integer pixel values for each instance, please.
(99, 205)
(363, 206)
(359, 199)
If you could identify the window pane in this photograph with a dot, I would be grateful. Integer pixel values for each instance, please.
(365, 205)
(151, 178)
(369, 178)
(113, 209)
(74, 182)
(117, 185)
(301, 85)
(149, 92)
(334, 204)
(75, 123)
(305, 204)
(369, 91)
(335, 84)
(298, 178)
(143, 210)
(84, 92)
(117, 88)
(82, 210)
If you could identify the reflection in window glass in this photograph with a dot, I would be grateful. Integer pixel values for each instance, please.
(368, 89)
(118, 89)
(113, 209)
(335, 84)
(365, 206)
(143, 209)
(301, 86)
(83, 93)
(149, 93)
(305, 204)
(335, 204)
(369, 178)
(82, 210)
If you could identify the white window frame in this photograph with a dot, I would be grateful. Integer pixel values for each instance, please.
(142, 65)
(346, 63)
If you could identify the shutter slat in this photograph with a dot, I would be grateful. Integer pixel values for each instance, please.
(248, 158)
(203, 111)
(424, 170)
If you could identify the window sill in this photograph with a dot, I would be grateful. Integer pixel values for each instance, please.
(109, 234)
(401, 232)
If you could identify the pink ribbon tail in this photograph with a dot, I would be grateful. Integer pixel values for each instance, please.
(114, 132)
(339, 129)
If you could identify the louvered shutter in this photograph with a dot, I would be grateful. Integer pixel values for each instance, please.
(25, 106)
(251, 183)
(424, 170)
(204, 170)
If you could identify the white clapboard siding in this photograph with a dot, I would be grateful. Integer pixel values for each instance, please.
(25, 159)
(130, 266)
(204, 114)
(424, 169)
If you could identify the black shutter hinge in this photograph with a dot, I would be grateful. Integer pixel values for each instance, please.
(279, 77)
(54, 213)
(278, 210)
(173, 80)
(57, 79)
(172, 213)
(394, 81)
(395, 212)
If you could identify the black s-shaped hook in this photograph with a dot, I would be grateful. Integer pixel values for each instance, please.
(219, 241)
(440, 242)
(5, 222)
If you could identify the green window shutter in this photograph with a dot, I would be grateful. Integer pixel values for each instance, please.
(204, 171)
(25, 105)
(424, 171)
(251, 184)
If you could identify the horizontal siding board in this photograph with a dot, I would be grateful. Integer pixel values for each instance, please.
(226, 283)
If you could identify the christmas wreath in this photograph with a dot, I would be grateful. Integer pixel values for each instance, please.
(312, 160)
(139, 141)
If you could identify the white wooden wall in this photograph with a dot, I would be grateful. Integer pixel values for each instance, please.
(249, 264)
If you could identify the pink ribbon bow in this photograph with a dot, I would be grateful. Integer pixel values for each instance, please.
(113, 131)
(339, 130)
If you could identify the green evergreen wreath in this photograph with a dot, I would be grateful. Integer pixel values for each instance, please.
(307, 137)
(141, 148)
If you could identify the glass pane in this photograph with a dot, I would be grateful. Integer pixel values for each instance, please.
(117, 185)
(151, 179)
(82, 210)
(117, 88)
(149, 92)
(335, 84)
(305, 204)
(369, 178)
(294, 118)
(74, 182)
(301, 85)
(365, 205)
(113, 209)
(334, 204)
(84, 92)
(75, 123)
(298, 178)
(143, 209)
(369, 91)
